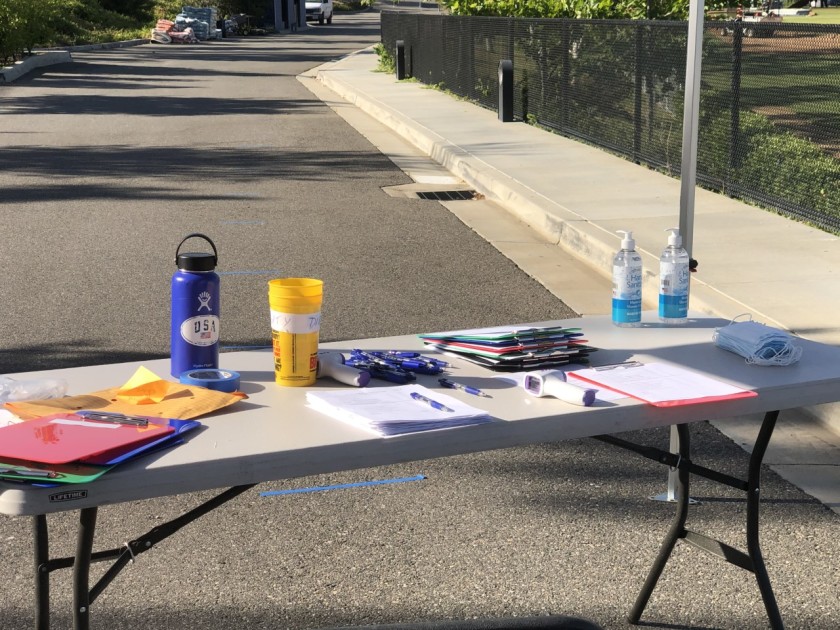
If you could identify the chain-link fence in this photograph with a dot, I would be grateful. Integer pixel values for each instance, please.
(770, 100)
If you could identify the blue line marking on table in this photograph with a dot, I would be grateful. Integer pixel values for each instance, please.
(342, 486)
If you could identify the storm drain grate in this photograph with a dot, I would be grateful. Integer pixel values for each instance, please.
(447, 195)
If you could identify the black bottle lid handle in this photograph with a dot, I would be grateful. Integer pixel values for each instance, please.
(198, 235)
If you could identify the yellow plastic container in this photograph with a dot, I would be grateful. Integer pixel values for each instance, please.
(295, 305)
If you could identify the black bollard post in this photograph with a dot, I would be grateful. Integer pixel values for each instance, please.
(506, 90)
(400, 59)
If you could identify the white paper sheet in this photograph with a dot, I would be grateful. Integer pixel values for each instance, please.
(389, 411)
(660, 384)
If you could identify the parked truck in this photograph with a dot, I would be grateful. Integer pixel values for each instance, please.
(748, 20)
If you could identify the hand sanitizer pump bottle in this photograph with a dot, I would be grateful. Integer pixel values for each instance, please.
(673, 281)
(627, 284)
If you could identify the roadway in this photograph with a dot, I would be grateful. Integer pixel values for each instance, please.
(109, 161)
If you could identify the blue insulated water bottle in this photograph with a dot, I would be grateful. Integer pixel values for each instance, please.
(195, 310)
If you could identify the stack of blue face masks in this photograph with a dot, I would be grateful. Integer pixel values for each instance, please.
(757, 343)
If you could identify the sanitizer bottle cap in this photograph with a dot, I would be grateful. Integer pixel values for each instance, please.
(674, 237)
(627, 241)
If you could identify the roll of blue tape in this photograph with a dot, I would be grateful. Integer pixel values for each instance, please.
(218, 380)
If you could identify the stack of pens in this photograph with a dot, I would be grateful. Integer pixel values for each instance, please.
(514, 349)
(394, 366)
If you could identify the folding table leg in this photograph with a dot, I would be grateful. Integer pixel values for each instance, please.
(83, 594)
(753, 503)
(752, 560)
(81, 569)
(42, 573)
(675, 532)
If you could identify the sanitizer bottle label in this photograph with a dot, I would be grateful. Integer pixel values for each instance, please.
(673, 291)
(627, 295)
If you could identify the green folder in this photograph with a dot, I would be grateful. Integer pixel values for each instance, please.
(15, 470)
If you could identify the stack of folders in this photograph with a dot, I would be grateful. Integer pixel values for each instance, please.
(80, 447)
(514, 349)
(391, 411)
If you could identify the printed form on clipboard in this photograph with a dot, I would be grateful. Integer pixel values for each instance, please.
(660, 384)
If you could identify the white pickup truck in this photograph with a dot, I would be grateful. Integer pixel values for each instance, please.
(321, 10)
(751, 17)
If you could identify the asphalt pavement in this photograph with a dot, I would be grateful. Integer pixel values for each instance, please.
(109, 161)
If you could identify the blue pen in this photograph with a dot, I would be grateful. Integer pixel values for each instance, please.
(423, 367)
(432, 403)
(464, 388)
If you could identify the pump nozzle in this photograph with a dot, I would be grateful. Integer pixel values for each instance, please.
(627, 241)
(674, 237)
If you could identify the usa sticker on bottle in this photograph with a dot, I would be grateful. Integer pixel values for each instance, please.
(202, 330)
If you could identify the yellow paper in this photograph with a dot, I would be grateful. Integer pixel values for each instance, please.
(183, 402)
(144, 388)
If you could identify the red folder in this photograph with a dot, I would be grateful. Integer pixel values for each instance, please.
(67, 437)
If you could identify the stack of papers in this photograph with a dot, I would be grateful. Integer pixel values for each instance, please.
(508, 348)
(390, 411)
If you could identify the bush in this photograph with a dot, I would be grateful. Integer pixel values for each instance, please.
(715, 140)
(352, 5)
(142, 10)
(788, 167)
(25, 24)
(770, 163)
(387, 63)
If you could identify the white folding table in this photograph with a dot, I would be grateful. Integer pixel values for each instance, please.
(274, 435)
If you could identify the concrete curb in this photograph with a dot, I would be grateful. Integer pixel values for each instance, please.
(54, 56)
(107, 45)
(38, 60)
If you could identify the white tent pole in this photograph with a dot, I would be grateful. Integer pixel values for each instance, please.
(691, 114)
(688, 176)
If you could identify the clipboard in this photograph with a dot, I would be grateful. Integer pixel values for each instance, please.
(506, 348)
(52, 475)
(660, 384)
(501, 334)
(119, 455)
(68, 437)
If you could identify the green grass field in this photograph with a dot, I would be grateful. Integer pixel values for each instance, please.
(818, 16)
(795, 76)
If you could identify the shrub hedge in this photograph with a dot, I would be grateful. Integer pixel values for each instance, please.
(25, 24)
(776, 162)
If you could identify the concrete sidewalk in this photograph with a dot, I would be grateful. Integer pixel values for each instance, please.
(575, 197)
